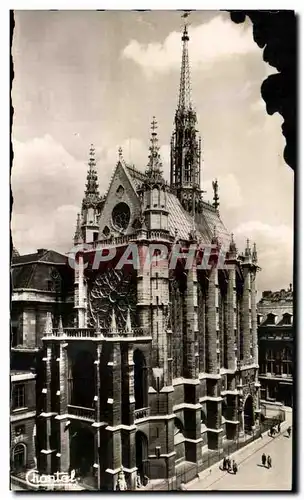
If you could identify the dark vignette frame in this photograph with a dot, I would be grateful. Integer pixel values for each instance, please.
(277, 33)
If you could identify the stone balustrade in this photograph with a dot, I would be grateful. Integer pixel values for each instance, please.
(141, 413)
(91, 333)
(82, 412)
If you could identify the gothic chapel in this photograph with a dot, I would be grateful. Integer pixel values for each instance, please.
(161, 365)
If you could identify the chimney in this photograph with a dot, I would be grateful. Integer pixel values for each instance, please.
(41, 251)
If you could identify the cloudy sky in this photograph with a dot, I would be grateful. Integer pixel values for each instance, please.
(98, 77)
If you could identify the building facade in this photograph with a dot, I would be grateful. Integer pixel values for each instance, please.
(162, 363)
(42, 283)
(22, 421)
(275, 336)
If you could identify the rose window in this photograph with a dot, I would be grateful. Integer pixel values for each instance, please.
(112, 290)
(121, 216)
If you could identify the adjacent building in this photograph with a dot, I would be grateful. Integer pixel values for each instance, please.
(161, 364)
(275, 336)
(42, 283)
(22, 420)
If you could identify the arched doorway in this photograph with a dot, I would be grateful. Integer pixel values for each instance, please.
(248, 413)
(140, 380)
(83, 390)
(141, 442)
(19, 457)
(82, 451)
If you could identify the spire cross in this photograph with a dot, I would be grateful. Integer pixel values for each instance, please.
(120, 153)
(184, 16)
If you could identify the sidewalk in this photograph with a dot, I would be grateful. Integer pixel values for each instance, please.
(213, 474)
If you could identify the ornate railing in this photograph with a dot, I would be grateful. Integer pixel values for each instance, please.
(118, 240)
(159, 234)
(89, 333)
(75, 333)
(154, 234)
(82, 412)
(141, 413)
(135, 332)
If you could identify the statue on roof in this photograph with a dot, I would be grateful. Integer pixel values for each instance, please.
(216, 203)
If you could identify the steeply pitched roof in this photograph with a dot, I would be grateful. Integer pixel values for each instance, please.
(36, 271)
(42, 255)
(181, 221)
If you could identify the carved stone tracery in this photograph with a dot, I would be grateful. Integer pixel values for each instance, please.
(113, 290)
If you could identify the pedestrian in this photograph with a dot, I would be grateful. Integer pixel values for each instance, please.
(234, 467)
(228, 466)
(289, 431)
(279, 427)
(224, 463)
(264, 459)
(269, 462)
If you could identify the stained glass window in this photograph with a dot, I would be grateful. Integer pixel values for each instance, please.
(121, 216)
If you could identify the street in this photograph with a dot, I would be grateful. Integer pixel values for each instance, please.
(251, 474)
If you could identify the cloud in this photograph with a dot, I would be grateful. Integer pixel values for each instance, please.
(209, 42)
(275, 252)
(52, 229)
(48, 185)
(43, 171)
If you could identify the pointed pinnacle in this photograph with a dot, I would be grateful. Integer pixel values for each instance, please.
(120, 157)
(48, 323)
(128, 322)
(60, 325)
(113, 327)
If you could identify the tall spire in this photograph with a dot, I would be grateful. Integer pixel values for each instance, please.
(92, 202)
(184, 102)
(154, 167)
(92, 191)
(185, 175)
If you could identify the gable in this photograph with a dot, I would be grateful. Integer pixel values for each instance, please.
(121, 198)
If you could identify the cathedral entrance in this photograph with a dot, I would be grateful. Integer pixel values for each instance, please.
(140, 380)
(82, 452)
(83, 387)
(248, 413)
(141, 442)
